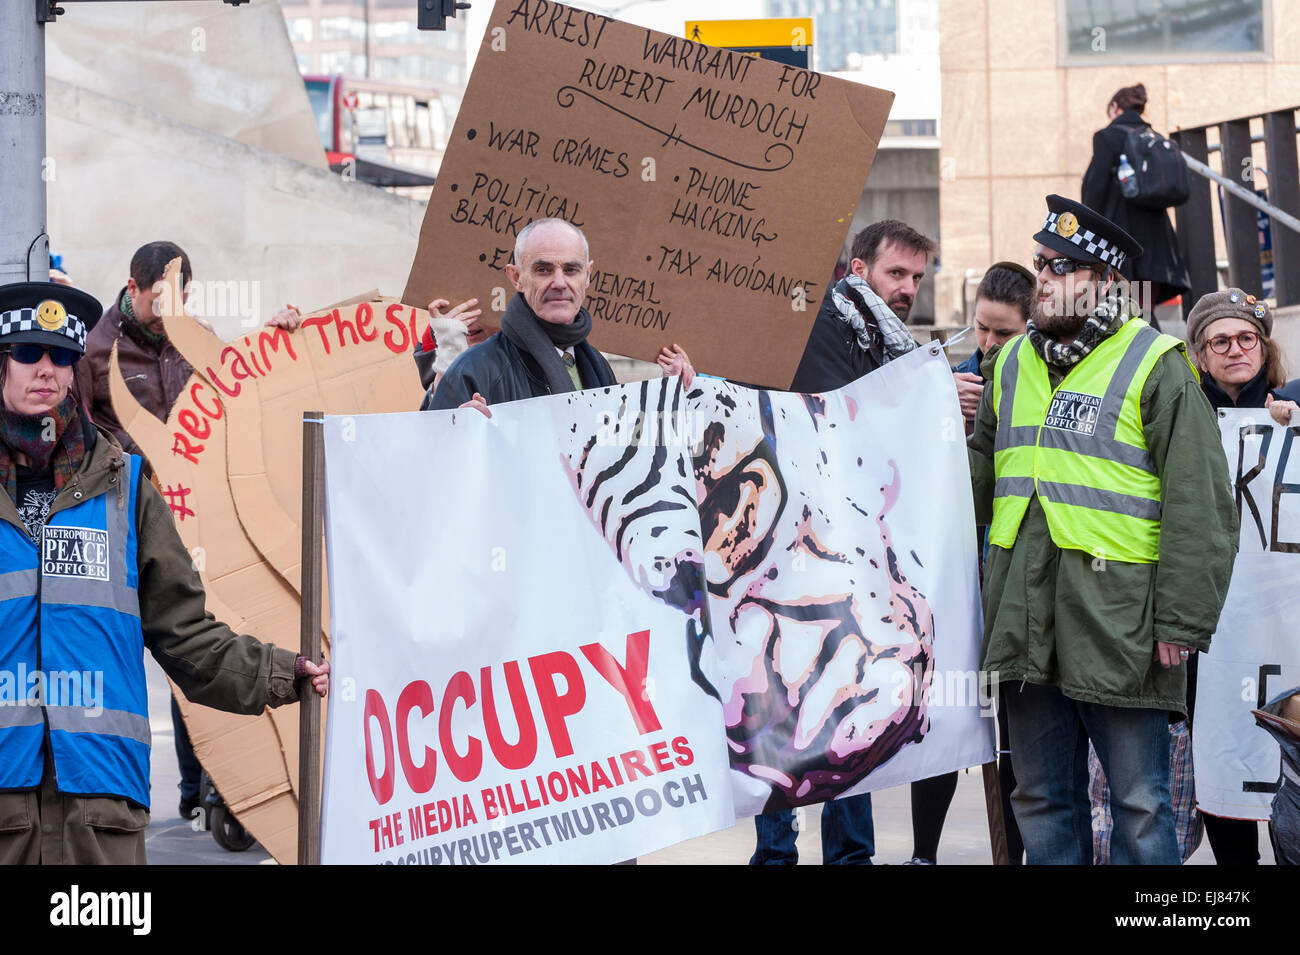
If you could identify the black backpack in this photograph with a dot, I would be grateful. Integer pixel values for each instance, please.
(1159, 168)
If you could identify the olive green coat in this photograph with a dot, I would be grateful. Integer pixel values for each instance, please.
(1089, 626)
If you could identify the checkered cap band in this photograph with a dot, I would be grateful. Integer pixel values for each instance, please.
(1088, 241)
(24, 320)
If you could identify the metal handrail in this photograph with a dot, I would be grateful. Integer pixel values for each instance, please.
(1245, 195)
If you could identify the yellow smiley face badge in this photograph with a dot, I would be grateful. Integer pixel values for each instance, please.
(51, 315)
(1067, 225)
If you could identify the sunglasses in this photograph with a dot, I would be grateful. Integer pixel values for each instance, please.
(28, 354)
(1220, 344)
(1061, 266)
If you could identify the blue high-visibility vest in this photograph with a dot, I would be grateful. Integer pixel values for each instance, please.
(72, 649)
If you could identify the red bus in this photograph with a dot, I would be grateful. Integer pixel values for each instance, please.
(381, 133)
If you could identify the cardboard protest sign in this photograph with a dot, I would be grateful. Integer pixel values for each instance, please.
(649, 614)
(715, 189)
(1254, 654)
(228, 461)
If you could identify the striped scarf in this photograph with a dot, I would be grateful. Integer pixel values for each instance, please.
(1104, 321)
(30, 435)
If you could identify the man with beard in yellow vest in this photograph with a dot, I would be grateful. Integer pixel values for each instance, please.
(1096, 462)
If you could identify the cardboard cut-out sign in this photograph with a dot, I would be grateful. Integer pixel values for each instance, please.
(228, 460)
(715, 189)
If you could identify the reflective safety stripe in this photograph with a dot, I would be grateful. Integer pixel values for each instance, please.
(1098, 447)
(20, 714)
(1013, 487)
(78, 719)
(18, 583)
(112, 594)
(1099, 500)
(1006, 436)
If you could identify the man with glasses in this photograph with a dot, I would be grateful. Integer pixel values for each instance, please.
(1096, 462)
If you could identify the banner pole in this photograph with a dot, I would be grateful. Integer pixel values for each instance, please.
(309, 713)
(993, 806)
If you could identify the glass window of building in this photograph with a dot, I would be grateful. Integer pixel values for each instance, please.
(300, 29)
(1161, 29)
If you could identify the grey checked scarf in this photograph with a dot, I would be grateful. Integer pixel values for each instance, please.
(1104, 321)
(867, 314)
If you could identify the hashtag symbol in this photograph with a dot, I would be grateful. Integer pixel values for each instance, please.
(176, 501)
(673, 136)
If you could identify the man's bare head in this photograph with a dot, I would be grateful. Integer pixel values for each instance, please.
(551, 269)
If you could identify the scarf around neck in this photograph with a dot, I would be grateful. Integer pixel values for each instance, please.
(124, 306)
(526, 331)
(1104, 321)
(30, 435)
(867, 314)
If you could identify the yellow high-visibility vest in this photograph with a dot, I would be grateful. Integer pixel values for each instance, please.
(1079, 447)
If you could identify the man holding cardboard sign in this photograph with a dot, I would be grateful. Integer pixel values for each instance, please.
(542, 348)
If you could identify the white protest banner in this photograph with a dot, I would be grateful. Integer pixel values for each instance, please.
(839, 550)
(506, 693)
(1254, 654)
(782, 587)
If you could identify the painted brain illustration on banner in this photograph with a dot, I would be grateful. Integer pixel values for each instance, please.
(801, 619)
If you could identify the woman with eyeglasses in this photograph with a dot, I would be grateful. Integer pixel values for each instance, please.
(1241, 367)
(92, 573)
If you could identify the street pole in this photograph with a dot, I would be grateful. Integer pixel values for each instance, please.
(24, 246)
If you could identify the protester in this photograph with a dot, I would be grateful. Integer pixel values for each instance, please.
(96, 573)
(542, 347)
(426, 349)
(1101, 578)
(1160, 263)
(156, 374)
(154, 371)
(1229, 334)
(1003, 301)
(861, 323)
(859, 328)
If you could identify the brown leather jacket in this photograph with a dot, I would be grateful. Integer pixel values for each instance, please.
(155, 377)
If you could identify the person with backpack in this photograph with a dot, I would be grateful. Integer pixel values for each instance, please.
(1158, 180)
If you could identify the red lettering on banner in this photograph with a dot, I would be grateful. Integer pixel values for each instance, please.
(319, 322)
(490, 808)
(364, 315)
(381, 786)
(629, 680)
(185, 449)
(634, 764)
(239, 369)
(215, 414)
(216, 380)
(464, 768)
(557, 706)
(521, 753)
(420, 778)
(190, 422)
(659, 754)
(393, 315)
(682, 747)
(275, 337)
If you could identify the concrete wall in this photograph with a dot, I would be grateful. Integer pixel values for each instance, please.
(229, 70)
(293, 232)
(1018, 126)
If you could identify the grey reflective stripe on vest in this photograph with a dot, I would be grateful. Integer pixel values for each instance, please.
(1007, 436)
(20, 714)
(1014, 487)
(1098, 500)
(1101, 443)
(114, 594)
(77, 719)
(18, 583)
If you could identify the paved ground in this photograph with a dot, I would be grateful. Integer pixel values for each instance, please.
(172, 841)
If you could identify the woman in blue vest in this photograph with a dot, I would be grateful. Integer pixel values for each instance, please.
(92, 573)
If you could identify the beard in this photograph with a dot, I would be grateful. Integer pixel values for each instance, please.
(901, 305)
(1058, 323)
